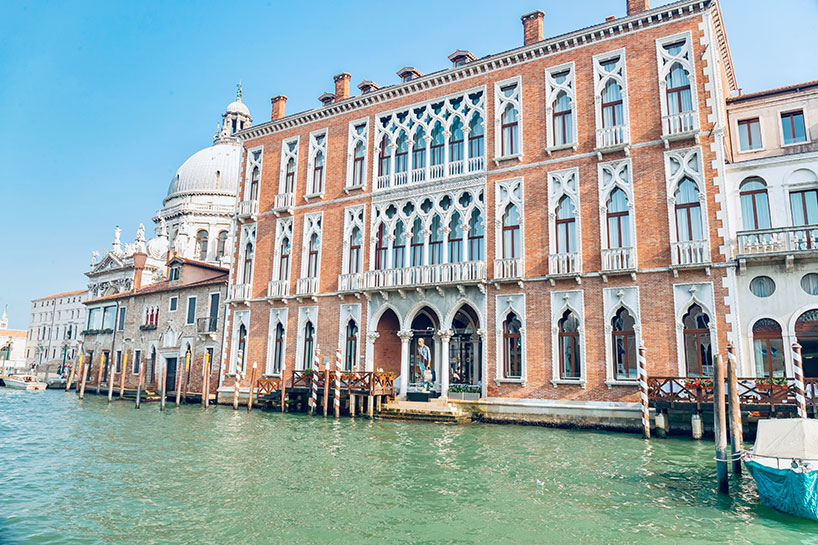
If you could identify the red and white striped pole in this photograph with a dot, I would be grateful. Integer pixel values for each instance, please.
(315, 371)
(798, 373)
(643, 392)
(338, 382)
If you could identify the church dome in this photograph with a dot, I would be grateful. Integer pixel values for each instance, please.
(213, 170)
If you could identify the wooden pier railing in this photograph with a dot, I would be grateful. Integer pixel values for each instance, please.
(266, 386)
(755, 394)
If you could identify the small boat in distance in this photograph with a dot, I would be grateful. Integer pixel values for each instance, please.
(784, 464)
(24, 382)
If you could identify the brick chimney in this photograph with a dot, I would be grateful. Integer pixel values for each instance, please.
(638, 6)
(139, 260)
(342, 86)
(532, 27)
(278, 106)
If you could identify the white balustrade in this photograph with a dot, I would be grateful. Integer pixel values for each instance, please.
(418, 175)
(383, 181)
(278, 289)
(306, 286)
(684, 122)
(435, 172)
(248, 209)
(476, 164)
(400, 178)
(612, 137)
(564, 263)
(456, 168)
(240, 292)
(780, 240)
(508, 268)
(618, 259)
(689, 252)
(425, 275)
(284, 201)
(350, 282)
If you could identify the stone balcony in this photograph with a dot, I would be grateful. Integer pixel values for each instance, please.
(306, 287)
(278, 289)
(284, 203)
(680, 127)
(248, 210)
(613, 139)
(782, 243)
(430, 173)
(509, 269)
(618, 260)
(421, 276)
(690, 254)
(350, 282)
(565, 264)
(240, 293)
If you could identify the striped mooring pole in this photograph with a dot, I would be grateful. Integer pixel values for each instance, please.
(643, 392)
(338, 383)
(316, 368)
(798, 373)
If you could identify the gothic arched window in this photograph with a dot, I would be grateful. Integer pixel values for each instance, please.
(254, 178)
(624, 345)
(566, 223)
(284, 260)
(509, 126)
(355, 240)
(569, 346)
(688, 212)
(698, 350)
(351, 345)
(248, 263)
(221, 244)
(511, 232)
(618, 225)
(512, 347)
(201, 245)
(309, 338)
(278, 350)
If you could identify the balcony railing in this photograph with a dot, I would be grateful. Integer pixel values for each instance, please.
(240, 292)
(564, 263)
(612, 138)
(207, 325)
(350, 282)
(509, 268)
(430, 172)
(681, 123)
(783, 240)
(425, 275)
(689, 252)
(248, 209)
(618, 259)
(284, 202)
(278, 289)
(306, 286)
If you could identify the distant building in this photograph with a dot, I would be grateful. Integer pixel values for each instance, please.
(12, 346)
(54, 327)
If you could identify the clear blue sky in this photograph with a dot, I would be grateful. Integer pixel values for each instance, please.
(102, 101)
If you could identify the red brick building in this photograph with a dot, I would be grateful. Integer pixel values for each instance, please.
(533, 215)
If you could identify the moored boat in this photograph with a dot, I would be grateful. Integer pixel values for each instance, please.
(784, 464)
(24, 382)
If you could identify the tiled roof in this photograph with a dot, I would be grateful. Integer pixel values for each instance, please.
(794, 87)
(12, 333)
(66, 294)
(202, 264)
(160, 287)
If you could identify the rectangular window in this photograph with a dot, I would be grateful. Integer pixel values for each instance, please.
(137, 356)
(749, 134)
(120, 325)
(94, 318)
(792, 126)
(191, 310)
(119, 361)
(174, 304)
(108, 317)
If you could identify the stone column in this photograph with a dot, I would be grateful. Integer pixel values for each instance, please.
(445, 337)
(369, 362)
(405, 338)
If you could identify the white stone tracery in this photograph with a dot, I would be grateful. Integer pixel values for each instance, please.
(684, 297)
(312, 226)
(616, 175)
(501, 103)
(254, 160)
(601, 79)
(284, 229)
(552, 91)
(353, 217)
(358, 135)
(277, 316)
(666, 61)
(564, 183)
(614, 299)
(318, 145)
(508, 192)
(402, 128)
(289, 150)
(562, 301)
(681, 164)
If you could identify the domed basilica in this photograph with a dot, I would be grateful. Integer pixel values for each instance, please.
(194, 221)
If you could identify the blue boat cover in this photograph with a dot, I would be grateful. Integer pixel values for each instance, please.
(786, 490)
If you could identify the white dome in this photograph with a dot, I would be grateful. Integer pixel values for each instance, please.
(211, 170)
(238, 107)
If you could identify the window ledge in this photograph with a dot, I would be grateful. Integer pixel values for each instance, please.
(794, 144)
(350, 188)
(517, 156)
(552, 149)
(752, 150)
(569, 382)
(520, 381)
(273, 375)
(628, 382)
(314, 196)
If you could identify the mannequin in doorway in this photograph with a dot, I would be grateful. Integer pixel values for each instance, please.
(425, 360)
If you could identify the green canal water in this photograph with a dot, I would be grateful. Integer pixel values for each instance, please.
(77, 472)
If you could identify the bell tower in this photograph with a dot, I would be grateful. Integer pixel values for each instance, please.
(235, 118)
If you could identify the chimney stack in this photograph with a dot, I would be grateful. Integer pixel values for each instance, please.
(638, 6)
(532, 26)
(278, 106)
(342, 86)
(139, 260)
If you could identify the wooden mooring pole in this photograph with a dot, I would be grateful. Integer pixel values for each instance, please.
(206, 383)
(178, 383)
(798, 374)
(283, 390)
(252, 387)
(186, 375)
(122, 375)
(111, 383)
(139, 382)
(720, 425)
(643, 392)
(86, 368)
(72, 373)
(736, 431)
(164, 385)
(99, 373)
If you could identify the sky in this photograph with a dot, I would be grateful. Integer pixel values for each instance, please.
(102, 101)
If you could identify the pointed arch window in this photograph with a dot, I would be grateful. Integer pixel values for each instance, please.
(476, 235)
(456, 141)
(254, 180)
(768, 348)
(201, 245)
(289, 177)
(563, 118)
(359, 156)
(623, 337)
(569, 346)
(697, 344)
(612, 113)
(241, 352)
(679, 98)
(355, 240)
(318, 172)
(399, 246)
(688, 212)
(312, 256)
(351, 345)
(619, 235)
(417, 243)
(278, 349)
(435, 242)
(402, 153)
(476, 133)
(248, 263)
(512, 347)
(509, 126)
(419, 150)
(455, 239)
(755, 205)
(384, 158)
(566, 226)
(284, 259)
(511, 233)
(309, 340)
(436, 148)
(381, 248)
(221, 244)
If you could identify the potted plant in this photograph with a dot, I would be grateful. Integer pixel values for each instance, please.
(699, 383)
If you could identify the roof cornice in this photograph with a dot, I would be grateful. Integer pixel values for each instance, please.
(498, 61)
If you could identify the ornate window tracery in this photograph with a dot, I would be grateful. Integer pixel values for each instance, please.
(317, 159)
(289, 165)
(560, 102)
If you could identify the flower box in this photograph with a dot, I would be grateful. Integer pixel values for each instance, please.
(147, 327)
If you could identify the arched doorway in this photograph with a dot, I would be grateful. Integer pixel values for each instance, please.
(465, 349)
(806, 330)
(423, 354)
(768, 348)
(387, 346)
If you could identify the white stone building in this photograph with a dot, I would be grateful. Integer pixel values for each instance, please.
(55, 327)
(772, 209)
(12, 346)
